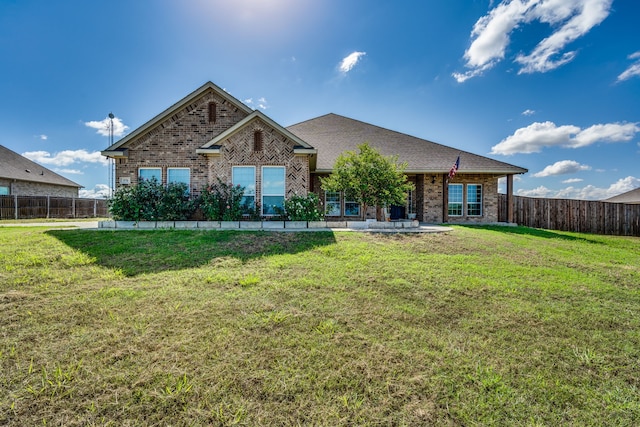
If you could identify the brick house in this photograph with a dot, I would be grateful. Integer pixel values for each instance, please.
(20, 176)
(209, 135)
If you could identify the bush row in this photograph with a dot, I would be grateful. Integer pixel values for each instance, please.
(149, 200)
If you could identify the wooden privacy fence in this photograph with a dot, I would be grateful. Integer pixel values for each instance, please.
(582, 216)
(26, 207)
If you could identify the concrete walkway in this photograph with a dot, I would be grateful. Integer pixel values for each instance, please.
(91, 225)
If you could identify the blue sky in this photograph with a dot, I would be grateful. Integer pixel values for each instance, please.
(549, 85)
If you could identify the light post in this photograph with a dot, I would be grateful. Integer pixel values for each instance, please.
(112, 164)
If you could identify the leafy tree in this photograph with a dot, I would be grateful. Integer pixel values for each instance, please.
(369, 178)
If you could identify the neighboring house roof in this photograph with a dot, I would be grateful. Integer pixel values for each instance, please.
(15, 166)
(630, 197)
(331, 135)
(171, 110)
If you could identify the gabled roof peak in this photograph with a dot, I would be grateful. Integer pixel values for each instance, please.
(177, 107)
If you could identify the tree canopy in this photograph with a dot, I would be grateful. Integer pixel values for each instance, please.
(369, 178)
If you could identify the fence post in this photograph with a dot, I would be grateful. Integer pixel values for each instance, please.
(15, 206)
(48, 206)
(73, 207)
(95, 208)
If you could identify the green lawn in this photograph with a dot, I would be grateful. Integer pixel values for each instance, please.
(476, 327)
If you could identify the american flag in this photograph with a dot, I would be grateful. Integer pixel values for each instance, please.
(454, 168)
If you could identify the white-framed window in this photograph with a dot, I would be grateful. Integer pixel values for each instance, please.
(179, 175)
(474, 199)
(273, 178)
(332, 203)
(147, 174)
(245, 176)
(455, 200)
(351, 208)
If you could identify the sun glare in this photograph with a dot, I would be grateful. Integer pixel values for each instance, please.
(252, 18)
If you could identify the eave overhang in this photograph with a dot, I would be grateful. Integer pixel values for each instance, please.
(116, 154)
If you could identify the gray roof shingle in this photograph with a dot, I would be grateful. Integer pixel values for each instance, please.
(631, 197)
(333, 134)
(15, 166)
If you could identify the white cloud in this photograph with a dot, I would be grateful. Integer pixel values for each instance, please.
(572, 180)
(633, 70)
(103, 126)
(350, 61)
(563, 167)
(570, 19)
(528, 112)
(588, 192)
(541, 191)
(262, 103)
(66, 157)
(100, 191)
(43, 137)
(533, 138)
(70, 171)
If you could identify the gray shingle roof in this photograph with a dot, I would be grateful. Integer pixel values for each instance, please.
(15, 166)
(332, 134)
(632, 196)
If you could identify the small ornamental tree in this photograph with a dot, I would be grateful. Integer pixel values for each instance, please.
(369, 178)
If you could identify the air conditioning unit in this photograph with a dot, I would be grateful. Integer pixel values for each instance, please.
(125, 180)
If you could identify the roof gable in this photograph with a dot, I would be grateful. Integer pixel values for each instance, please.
(333, 134)
(178, 106)
(15, 166)
(256, 115)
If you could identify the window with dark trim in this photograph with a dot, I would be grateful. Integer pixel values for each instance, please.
(257, 140)
(212, 112)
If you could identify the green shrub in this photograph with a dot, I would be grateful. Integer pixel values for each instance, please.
(174, 204)
(149, 200)
(303, 208)
(222, 202)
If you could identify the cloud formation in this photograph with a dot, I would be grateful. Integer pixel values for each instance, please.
(261, 104)
(633, 70)
(588, 192)
(100, 191)
(563, 167)
(528, 112)
(350, 61)
(533, 138)
(66, 157)
(570, 20)
(103, 126)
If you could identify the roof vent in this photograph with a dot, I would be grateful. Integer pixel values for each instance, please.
(27, 171)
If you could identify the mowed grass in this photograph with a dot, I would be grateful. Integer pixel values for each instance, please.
(475, 327)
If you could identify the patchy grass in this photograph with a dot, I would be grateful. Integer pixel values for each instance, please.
(480, 326)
